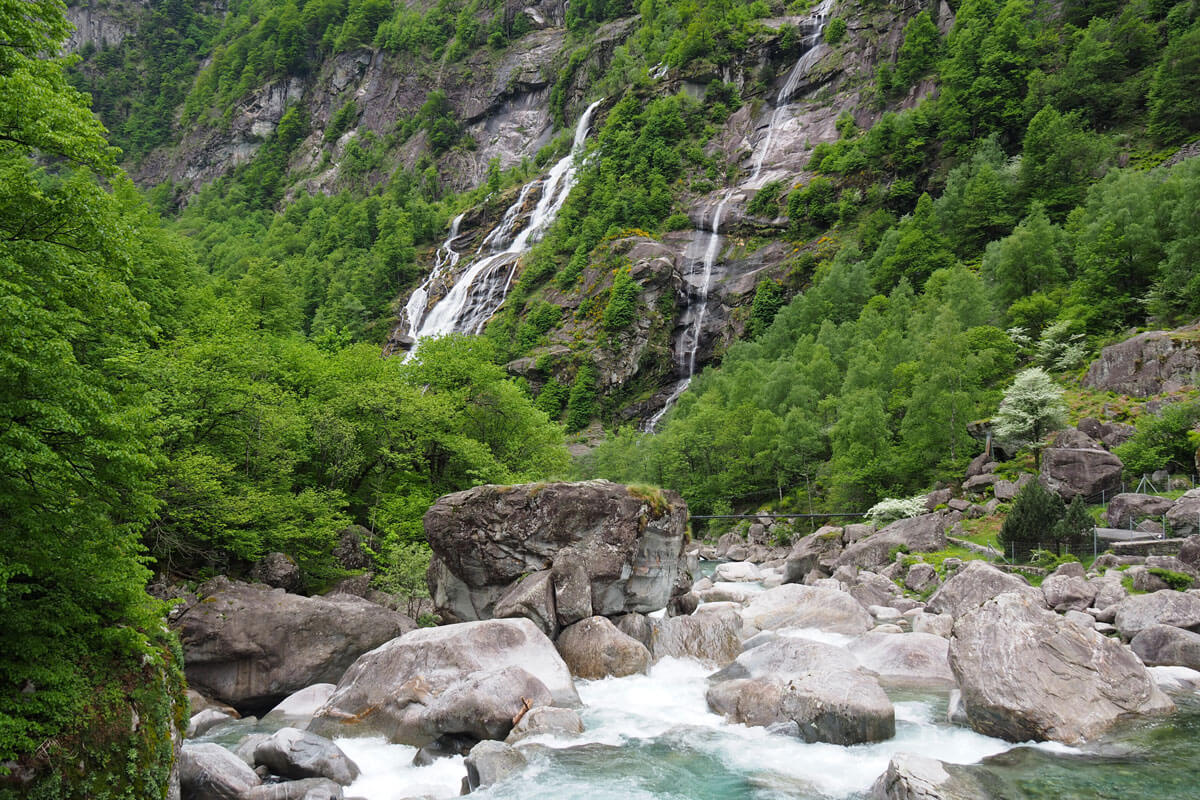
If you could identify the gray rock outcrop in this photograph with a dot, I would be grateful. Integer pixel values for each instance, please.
(1128, 508)
(787, 657)
(905, 659)
(1028, 674)
(490, 762)
(797, 606)
(1147, 364)
(473, 677)
(843, 708)
(915, 777)
(279, 571)
(1184, 516)
(1078, 465)
(1065, 593)
(251, 646)
(972, 586)
(923, 534)
(546, 720)
(1164, 607)
(306, 789)
(818, 550)
(603, 540)
(594, 648)
(712, 637)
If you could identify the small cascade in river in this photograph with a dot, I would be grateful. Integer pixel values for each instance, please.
(690, 338)
(480, 290)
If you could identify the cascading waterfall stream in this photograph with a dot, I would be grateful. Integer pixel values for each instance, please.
(799, 71)
(691, 335)
(479, 291)
(445, 259)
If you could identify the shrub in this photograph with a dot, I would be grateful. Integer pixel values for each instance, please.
(1174, 580)
(891, 509)
(835, 31)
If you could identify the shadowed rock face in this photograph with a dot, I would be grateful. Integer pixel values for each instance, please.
(251, 646)
(623, 546)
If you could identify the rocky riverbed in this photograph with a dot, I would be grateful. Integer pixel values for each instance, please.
(741, 685)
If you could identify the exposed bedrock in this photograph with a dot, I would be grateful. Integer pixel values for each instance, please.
(608, 550)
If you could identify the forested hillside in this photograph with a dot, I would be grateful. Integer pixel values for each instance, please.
(852, 223)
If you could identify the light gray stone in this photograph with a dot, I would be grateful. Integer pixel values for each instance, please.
(546, 720)
(796, 606)
(974, 584)
(915, 777)
(712, 637)
(208, 771)
(1165, 607)
(908, 659)
(1027, 674)
(294, 753)
(1167, 646)
(491, 762)
(595, 648)
(406, 688)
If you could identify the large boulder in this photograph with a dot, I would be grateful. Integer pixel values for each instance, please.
(464, 678)
(208, 771)
(786, 657)
(1128, 508)
(974, 584)
(905, 659)
(1164, 607)
(1184, 516)
(294, 753)
(1027, 673)
(923, 534)
(628, 543)
(1076, 464)
(713, 637)
(915, 777)
(797, 606)
(843, 708)
(594, 648)
(1147, 364)
(546, 720)
(1065, 593)
(1167, 646)
(251, 646)
(818, 550)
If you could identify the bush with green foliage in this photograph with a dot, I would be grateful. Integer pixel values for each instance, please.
(1168, 440)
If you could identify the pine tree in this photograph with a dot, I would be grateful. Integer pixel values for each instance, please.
(1072, 530)
(1035, 512)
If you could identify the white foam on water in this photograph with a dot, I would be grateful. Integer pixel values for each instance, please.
(388, 774)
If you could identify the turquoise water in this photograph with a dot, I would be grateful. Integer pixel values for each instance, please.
(651, 737)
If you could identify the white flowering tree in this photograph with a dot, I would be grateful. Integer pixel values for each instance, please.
(1032, 407)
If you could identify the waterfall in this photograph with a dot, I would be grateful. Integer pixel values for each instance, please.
(445, 259)
(799, 71)
(690, 337)
(480, 290)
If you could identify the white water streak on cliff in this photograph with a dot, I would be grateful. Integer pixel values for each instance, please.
(479, 291)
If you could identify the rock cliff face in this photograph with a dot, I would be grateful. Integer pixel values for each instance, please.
(1150, 363)
(610, 550)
